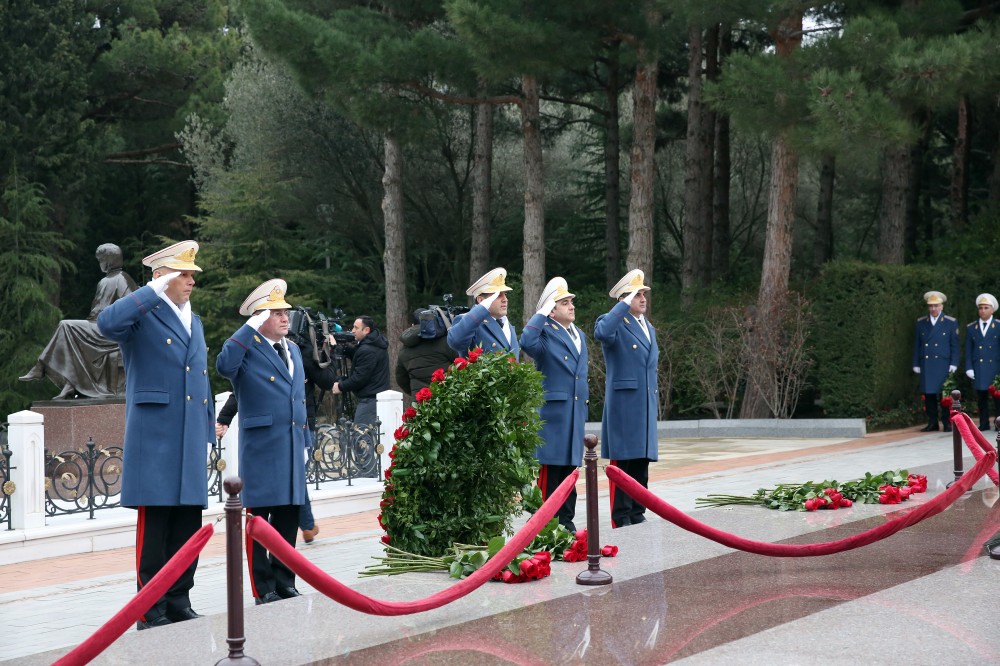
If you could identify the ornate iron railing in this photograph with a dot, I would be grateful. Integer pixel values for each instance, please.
(345, 451)
(83, 480)
(216, 466)
(6, 483)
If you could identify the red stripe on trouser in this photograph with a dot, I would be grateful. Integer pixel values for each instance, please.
(543, 481)
(249, 549)
(611, 493)
(140, 535)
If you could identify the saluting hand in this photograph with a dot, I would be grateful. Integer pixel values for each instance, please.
(159, 284)
(916, 369)
(547, 307)
(257, 319)
(488, 301)
(971, 374)
(952, 368)
(628, 299)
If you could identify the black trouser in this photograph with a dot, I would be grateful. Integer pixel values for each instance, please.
(984, 408)
(549, 478)
(267, 573)
(160, 532)
(622, 505)
(931, 407)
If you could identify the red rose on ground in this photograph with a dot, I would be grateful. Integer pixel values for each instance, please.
(385, 539)
(423, 395)
(408, 414)
(846, 503)
(460, 363)
(581, 535)
(543, 556)
(438, 375)
(609, 551)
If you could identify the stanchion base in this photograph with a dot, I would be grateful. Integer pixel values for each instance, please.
(595, 577)
(242, 660)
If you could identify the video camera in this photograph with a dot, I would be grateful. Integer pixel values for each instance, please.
(437, 319)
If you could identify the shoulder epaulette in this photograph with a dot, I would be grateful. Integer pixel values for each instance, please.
(950, 318)
(924, 318)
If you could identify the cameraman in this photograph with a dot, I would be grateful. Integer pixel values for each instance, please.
(425, 349)
(370, 374)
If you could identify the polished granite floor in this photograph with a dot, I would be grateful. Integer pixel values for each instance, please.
(926, 595)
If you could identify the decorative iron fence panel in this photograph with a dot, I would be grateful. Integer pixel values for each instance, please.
(84, 480)
(216, 466)
(6, 483)
(345, 451)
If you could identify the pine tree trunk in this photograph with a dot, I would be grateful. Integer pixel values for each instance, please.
(708, 150)
(995, 177)
(640, 209)
(721, 176)
(695, 161)
(482, 191)
(533, 248)
(892, 220)
(777, 265)
(823, 251)
(394, 258)
(612, 175)
(959, 169)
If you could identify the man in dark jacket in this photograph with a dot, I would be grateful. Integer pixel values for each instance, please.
(370, 373)
(425, 349)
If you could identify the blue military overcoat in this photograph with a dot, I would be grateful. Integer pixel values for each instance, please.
(273, 421)
(628, 426)
(935, 348)
(169, 409)
(565, 384)
(478, 327)
(982, 353)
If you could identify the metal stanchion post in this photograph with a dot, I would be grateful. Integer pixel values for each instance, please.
(594, 575)
(234, 576)
(956, 438)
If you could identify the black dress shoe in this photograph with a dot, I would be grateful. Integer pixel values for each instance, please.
(930, 427)
(984, 428)
(624, 522)
(947, 427)
(182, 614)
(267, 598)
(161, 621)
(638, 519)
(287, 592)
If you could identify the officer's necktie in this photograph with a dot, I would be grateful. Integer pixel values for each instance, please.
(281, 353)
(499, 322)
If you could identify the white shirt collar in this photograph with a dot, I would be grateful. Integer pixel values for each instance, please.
(183, 311)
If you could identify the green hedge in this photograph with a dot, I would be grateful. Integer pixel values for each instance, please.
(863, 336)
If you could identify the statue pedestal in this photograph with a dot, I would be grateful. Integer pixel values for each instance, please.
(68, 423)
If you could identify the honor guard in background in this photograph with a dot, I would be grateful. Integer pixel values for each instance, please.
(269, 382)
(935, 355)
(486, 323)
(628, 426)
(982, 355)
(560, 354)
(168, 419)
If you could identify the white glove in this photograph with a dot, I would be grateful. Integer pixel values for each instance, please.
(971, 374)
(547, 307)
(628, 299)
(161, 283)
(257, 319)
(488, 301)
(916, 369)
(952, 368)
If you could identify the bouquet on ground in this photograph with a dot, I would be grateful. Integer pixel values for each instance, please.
(889, 487)
(554, 542)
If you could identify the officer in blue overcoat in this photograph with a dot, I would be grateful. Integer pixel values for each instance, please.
(560, 353)
(486, 324)
(628, 425)
(982, 356)
(169, 421)
(935, 355)
(269, 382)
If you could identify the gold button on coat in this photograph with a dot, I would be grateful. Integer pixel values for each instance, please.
(169, 341)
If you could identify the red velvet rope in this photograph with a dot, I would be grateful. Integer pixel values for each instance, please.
(974, 440)
(678, 518)
(268, 537)
(140, 603)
